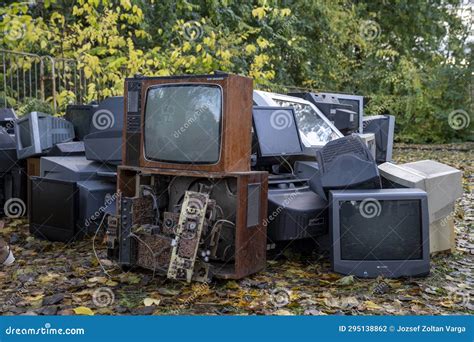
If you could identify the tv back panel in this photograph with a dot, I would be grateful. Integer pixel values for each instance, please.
(104, 146)
(36, 133)
(369, 141)
(381, 232)
(71, 148)
(276, 131)
(345, 163)
(96, 197)
(75, 168)
(189, 122)
(383, 126)
(442, 182)
(301, 214)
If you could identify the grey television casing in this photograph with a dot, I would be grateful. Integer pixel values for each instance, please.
(75, 168)
(442, 183)
(104, 146)
(44, 132)
(371, 268)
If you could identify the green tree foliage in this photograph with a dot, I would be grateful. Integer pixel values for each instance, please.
(410, 58)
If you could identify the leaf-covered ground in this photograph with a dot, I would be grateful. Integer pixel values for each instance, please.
(53, 278)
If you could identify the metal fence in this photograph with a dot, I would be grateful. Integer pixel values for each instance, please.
(27, 75)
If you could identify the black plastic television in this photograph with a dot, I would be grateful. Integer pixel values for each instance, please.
(53, 209)
(382, 232)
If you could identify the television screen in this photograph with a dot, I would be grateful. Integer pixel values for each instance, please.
(25, 133)
(394, 234)
(47, 219)
(270, 122)
(183, 123)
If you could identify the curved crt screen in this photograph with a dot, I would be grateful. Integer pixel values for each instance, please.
(183, 123)
(381, 230)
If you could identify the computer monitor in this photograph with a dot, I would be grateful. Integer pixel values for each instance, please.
(276, 131)
(315, 129)
(442, 182)
(341, 115)
(36, 133)
(104, 146)
(345, 163)
(53, 209)
(383, 126)
(380, 232)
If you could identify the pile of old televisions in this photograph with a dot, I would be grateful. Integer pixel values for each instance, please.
(198, 176)
(63, 170)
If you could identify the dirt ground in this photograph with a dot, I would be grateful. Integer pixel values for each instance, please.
(53, 278)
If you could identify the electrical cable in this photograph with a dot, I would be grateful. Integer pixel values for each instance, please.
(93, 246)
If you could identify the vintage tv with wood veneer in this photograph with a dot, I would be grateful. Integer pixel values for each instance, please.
(149, 198)
(190, 122)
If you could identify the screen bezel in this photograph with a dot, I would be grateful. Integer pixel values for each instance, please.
(192, 84)
(374, 268)
(274, 108)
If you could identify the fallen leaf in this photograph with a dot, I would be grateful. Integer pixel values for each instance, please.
(151, 301)
(82, 310)
(371, 305)
(348, 280)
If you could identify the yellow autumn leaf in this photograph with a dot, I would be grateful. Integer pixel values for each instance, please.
(249, 49)
(371, 305)
(258, 12)
(82, 310)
